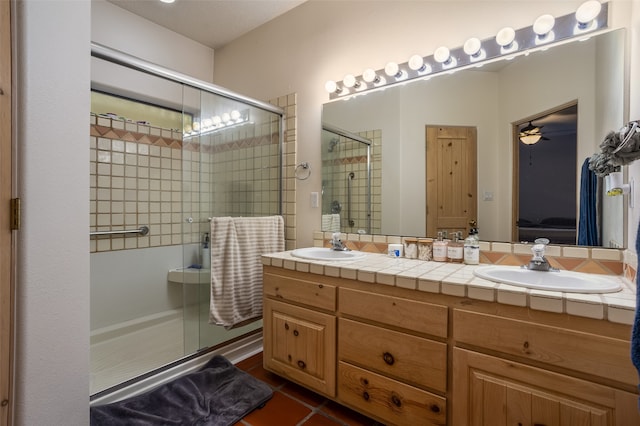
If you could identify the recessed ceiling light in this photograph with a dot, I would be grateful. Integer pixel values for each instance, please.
(167, 1)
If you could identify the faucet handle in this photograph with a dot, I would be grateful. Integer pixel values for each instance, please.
(538, 251)
(543, 241)
(335, 236)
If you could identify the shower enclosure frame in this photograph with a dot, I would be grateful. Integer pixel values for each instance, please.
(344, 133)
(189, 360)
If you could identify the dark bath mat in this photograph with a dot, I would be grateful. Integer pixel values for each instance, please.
(217, 394)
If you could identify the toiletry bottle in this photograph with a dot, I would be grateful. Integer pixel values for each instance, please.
(440, 249)
(455, 249)
(206, 252)
(472, 248)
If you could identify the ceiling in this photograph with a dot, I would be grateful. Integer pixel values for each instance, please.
(213, 23)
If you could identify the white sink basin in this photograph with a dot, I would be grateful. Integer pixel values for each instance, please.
(322, 253)
(567, 281)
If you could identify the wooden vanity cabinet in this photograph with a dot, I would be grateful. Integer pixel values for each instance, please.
(392, 357)
(516, 372)
(407, 357)
(300, 331)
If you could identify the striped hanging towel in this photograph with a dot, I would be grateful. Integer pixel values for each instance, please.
(236, 267)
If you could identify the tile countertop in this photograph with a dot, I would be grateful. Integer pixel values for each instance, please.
(456, 279)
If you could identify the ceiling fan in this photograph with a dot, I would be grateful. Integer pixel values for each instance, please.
(531, 134)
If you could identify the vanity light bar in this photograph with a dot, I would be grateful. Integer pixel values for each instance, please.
(546, 31)
(218, 122)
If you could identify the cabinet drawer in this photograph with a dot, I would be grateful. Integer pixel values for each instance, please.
(389, 400)
(321, 296)
(585, 352)
(406, 313)
(414, 359)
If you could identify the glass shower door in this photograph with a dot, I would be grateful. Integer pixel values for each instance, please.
(232, 167)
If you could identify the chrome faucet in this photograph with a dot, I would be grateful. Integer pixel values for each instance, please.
(336, 242)
(538, 262)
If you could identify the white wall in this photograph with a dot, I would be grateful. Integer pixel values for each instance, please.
(122, 30)
(322, 40)
(52, 291)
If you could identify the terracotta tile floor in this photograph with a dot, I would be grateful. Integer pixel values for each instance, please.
(293, 405)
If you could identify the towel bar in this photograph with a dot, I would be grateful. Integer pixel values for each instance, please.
(143, 230)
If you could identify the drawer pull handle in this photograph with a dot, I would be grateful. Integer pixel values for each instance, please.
(388, 358)
(295, 333)
(396, 401)
(302, 365)
(286, 326)
(435, 408)
(365, 395)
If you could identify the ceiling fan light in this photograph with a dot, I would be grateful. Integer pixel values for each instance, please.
(530, 139)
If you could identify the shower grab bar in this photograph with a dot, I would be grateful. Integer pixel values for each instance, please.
(143, 230)
(350, 177)
(190, 220)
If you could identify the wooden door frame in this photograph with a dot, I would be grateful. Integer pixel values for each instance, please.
(515, 178)
(6, 232)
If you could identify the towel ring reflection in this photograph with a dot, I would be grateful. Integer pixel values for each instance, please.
(303, 166)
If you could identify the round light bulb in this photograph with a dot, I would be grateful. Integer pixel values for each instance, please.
(441, 54)
(331, 86)
(196, 126)
(370, 76)
(543, 24)
(235, 115)
(392, 69)
(416, 63)
(587, 12)
(505, 36)
(226, 117)
(207, 122)
(216, 120)
(349, 81)
(472, 46)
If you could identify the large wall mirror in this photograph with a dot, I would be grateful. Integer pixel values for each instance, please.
(494, 101)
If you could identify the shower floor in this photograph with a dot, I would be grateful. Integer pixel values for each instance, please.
(123, 357)
(128, 354)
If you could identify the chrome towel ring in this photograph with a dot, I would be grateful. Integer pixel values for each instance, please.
(302, 168)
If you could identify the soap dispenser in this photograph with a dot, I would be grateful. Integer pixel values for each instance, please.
(206, 252)
(472, 248)
(440, 248)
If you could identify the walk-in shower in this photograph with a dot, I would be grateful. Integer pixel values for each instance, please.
(168, 153)
(346, 181)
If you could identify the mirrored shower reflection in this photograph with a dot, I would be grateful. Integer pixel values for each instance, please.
(348, 169)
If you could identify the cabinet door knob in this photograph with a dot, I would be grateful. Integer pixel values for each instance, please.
(396, 401)
(295, 333)
(286, 326)
(388, 358)
(301, 364)
(365, 395)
